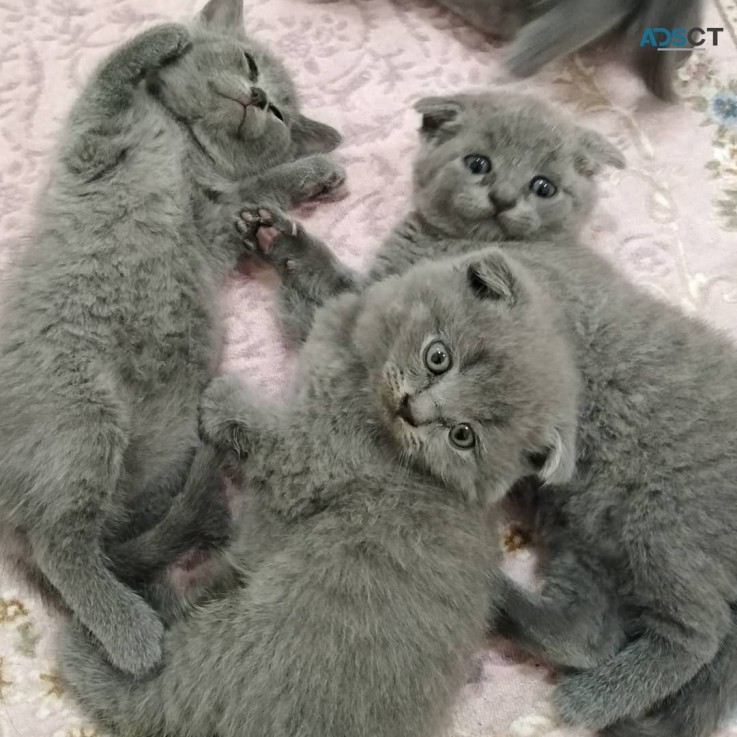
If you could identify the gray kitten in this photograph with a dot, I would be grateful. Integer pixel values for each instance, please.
(110, 331)
(492, 166)
(368, 559)
(545, 30)
(639, 560)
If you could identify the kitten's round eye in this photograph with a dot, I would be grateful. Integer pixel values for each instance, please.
(252, 68)
(543, 187)
(477, 164)
(437, 358)
(462, 436)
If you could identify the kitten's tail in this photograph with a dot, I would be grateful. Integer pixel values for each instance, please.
(699, 707)
(658, 69)
(565, 28)
(111, 697)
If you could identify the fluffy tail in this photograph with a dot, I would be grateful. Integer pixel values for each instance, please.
(104, 692)
(565, 28)
(656, 68)
(699, 707)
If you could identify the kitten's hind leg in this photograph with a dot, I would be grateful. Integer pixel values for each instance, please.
(572, 623)
(310, 273)
(565, 28)
(699, 707)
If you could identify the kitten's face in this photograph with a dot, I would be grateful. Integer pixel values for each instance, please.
(469, 375)
(238, 101)
(505, 167)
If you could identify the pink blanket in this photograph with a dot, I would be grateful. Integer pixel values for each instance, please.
(670, 220)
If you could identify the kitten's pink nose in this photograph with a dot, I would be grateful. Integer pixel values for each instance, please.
(405, 411)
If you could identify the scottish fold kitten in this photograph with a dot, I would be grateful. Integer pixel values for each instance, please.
(492, 166)
(110, 331)
(368, 560)
(545, 30)
(639, 562)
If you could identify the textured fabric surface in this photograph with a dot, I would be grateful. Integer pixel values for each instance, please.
(670, 220)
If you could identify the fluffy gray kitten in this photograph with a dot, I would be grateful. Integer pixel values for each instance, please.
(368, 559)
(639, 559)
(544, 30)
(491, 166)
(110, 333)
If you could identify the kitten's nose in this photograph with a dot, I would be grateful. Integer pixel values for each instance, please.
(258, 97)
(502, 199)
(405, 411)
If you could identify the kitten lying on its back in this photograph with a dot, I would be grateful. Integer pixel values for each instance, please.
(368, 557)
(545, 30)
(109, 333)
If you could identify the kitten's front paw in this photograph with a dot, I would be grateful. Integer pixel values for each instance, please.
(161, 45)
(132, 638)
(323, 180)
(218, 410)
(273, 237)
(581, 700)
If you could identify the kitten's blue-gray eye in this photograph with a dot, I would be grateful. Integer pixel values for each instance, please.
(462, 436)
(477, 164)
(543, 187)
(437, 357)
(252, 68)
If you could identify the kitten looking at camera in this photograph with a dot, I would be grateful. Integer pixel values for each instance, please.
(110, 330)
(639, 565)
(368, 557)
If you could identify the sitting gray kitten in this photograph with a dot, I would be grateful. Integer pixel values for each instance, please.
(368, 559)
(639, 561)
(110, 331)
(492, 166)
(545, 30)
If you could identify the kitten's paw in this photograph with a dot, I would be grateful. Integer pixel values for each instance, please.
(652, 726)
(582, 700)
(161, 45)
(324, 179)
(218, 416)
(132, 638)
(273, 237)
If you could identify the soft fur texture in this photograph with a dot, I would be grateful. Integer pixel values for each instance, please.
(545, 30)
(639, 561)
(368, 559)
(110, 333)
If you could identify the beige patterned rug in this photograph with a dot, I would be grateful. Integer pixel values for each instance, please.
(670, 220)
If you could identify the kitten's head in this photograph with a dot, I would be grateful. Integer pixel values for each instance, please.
(470, 374)
(501, 166)
(238, 101)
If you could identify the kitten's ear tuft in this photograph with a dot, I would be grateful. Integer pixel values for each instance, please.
(439, 114)
(595, 152)
(558, 462)
(312, 137)
(224, 16)
(491, 278)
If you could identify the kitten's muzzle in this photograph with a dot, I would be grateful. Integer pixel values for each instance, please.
(501, 202)
(259, 98)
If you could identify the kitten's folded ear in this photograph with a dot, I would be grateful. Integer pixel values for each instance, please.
(595, 152)
(558, 463)
(223, 16)
(439, 116)
(312, 137)
(490, 277)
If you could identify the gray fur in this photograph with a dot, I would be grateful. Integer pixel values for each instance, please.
(110, 332)
(638, 556)
(368, 558)
(550, 29)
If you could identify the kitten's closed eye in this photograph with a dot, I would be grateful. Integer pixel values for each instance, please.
(477, 164)
(437, 358)
(252, 66)
(543, 187)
